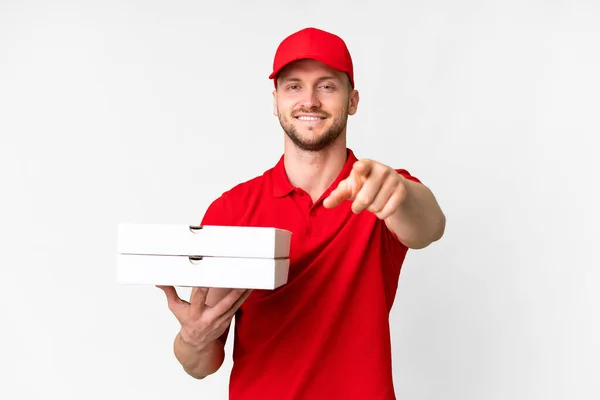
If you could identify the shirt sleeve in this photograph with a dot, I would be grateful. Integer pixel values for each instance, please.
(407, 175)
(217, 213)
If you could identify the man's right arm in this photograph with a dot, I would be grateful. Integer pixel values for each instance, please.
(200, 362)
(205, 320)
(200, 344)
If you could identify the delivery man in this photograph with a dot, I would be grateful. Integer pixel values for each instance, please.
(325, 334)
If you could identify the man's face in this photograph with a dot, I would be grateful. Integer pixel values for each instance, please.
(312, 102)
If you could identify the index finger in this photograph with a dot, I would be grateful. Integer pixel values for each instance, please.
(227, 302)
(339, 194)
(198, 300)
(347, 189)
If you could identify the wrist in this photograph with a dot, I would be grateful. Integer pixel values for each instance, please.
(196, 347)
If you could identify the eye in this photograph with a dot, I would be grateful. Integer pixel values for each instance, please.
(293, 87)
(327, 87)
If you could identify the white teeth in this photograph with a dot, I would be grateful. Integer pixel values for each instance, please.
(309, 118)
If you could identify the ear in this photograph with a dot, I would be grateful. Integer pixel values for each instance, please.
(275, 109)
(353, 100)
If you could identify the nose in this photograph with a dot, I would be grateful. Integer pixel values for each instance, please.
(310, 99)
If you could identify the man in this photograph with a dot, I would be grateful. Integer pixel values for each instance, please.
(325, 334)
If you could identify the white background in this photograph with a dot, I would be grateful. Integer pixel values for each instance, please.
(145, 111)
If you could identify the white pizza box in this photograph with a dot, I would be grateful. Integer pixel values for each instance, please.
(186, 271)
(209, 241)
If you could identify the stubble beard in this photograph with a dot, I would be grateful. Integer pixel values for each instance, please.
(318, 143)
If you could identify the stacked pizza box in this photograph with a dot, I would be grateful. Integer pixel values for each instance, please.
(203, 256)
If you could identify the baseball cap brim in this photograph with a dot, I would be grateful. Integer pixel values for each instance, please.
(306, 57)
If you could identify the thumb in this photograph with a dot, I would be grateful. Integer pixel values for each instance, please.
(173, 299)
(362, 168)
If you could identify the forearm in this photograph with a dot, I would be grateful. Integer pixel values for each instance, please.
(419, 221)
(199, 363)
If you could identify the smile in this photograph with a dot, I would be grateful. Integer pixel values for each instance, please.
(307, 118)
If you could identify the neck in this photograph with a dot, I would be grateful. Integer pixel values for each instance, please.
(314, 172)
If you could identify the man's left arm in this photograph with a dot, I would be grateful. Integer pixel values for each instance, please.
(409, 208)
(417, 220)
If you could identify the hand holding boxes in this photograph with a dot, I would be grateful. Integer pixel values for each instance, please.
(203, 256)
